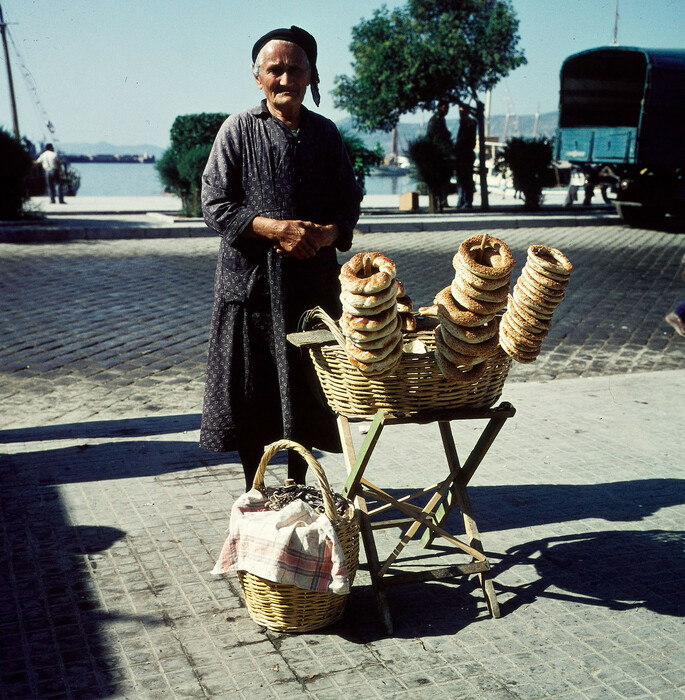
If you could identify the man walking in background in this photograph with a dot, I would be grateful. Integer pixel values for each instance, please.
(51, 166)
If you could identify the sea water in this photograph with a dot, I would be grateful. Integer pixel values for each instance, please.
(142, 179)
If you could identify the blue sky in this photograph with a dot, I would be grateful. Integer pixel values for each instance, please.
(121, 71)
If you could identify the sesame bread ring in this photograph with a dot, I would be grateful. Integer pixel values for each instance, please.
(401, 291)
(520, 325)
(378, 343)
(533, 295)
(532, 264)
(367, 356)
(472, 334)
(547, 282)
(493, 261)
(536, 308)
(476, 350)
(371, 311)
(550, 259)
(457, 313)
(476, 281)
(535, 324)
(456, 358)
(367, 273)
(431, 310)
(370, 323)
(520, 341)
(405, 305)
(543, 285)
(384, 366)
(495, 295)
(369, 336)
(368, 301)
(484, 308)
(408, 322)
(515, 353)
(516, 326)
(537, 292)
(453, 373)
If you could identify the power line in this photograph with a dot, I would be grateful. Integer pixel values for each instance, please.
(32, 87)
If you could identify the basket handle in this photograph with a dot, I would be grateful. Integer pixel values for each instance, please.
(318, 314)
(273, 448)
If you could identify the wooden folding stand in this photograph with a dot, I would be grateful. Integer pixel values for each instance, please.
(444, 496)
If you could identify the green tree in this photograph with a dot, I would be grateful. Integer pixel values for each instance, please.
(412, 57)
(15, 165)
(180, 167)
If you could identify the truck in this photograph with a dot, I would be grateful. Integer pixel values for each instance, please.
(622, 118)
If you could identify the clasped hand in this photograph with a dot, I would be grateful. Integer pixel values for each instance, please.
(303, 239)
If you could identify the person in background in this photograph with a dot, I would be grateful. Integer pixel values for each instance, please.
(465, 157)
(280, 190)
(49, 160)
(438, 132)
(676, 318)
(576, 181)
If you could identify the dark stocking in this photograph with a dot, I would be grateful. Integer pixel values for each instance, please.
(250, 456)
(297, 467)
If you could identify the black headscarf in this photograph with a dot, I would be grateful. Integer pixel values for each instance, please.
(305, 41)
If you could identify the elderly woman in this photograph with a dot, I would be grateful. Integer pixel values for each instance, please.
(280, 191)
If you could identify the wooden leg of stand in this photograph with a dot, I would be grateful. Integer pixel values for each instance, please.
(364, 525)
(475, 541)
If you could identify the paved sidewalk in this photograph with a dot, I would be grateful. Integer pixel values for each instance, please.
(112, 517)
(114, 218)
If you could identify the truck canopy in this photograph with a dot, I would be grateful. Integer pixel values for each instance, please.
(621, 104)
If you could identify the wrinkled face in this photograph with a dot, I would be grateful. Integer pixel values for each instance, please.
(283, 75)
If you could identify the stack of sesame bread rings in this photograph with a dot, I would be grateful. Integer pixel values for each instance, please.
(537, 293)
(370, 321)
(467, 310)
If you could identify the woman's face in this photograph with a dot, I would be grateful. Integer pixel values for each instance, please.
(284, 76)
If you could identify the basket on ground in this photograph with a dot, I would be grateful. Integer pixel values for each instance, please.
(415, 386)
(286, 608)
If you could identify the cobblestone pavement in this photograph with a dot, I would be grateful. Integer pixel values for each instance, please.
(112, 517)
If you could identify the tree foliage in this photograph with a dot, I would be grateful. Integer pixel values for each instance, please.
(409, 58)
(180, 167)
(15, 165)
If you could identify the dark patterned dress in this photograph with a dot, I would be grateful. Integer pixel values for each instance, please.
(257, 387)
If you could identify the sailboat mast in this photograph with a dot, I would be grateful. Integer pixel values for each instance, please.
(15, 120)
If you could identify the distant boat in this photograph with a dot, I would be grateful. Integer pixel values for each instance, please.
(390, 171)
(395, 165)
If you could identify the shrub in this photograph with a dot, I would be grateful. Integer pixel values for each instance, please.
(529, 161)
(15, 164)
(180, 167)
(432, 165)
(363, 159)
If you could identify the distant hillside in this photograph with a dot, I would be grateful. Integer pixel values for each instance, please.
(102, 148)
(516, 126)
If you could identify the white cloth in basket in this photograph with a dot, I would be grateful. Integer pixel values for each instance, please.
(295, 545)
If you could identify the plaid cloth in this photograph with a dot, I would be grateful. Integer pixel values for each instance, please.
(294, 545)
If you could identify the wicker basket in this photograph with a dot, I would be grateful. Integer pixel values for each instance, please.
(286, 608)
(415, 386)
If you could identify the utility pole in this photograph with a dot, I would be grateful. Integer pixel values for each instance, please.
(615, 41)
(13, 102)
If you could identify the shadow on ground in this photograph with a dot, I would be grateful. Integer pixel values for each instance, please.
(52, 628)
